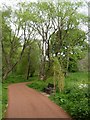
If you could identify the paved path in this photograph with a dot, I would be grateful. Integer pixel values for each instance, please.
(24, 102)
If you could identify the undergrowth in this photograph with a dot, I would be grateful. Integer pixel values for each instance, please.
(74, 98)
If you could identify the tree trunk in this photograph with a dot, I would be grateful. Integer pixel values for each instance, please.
(28, 72)
(54, 81)
(13, 66)
(67, 62)
(42, 70)
(48, 54)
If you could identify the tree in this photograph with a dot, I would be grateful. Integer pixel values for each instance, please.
(68, 35)
(56, 28)
(10, 45)
(29, 64)
(42, 24)
(20, 24)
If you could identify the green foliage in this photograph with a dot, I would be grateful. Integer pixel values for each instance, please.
(0, 100)
(71, 47)
(10, 44)
(74, 101)
(34, 59)
(83, 64)
(4, 98)
(32, 52)
(38, 85)
(58, 74)
(59, 22)
(74, 98)
(72, 65)
(14, 78)
(22, 66)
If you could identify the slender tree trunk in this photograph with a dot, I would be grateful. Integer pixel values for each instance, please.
(28, 72)
(9, 70)
(48, 54)
(67, 62)
(42, 70)
(13, 66)
(54, 81)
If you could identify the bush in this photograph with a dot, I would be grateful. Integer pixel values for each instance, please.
(39, 85)
(74, 101)
(72, 66)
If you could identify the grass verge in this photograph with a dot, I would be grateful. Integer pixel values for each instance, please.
(74, 98)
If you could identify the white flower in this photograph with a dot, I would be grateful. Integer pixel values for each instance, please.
(83, 85)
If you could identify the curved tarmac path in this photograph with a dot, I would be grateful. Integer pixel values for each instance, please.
(25, 102)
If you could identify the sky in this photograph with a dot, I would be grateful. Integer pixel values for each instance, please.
(12, 3)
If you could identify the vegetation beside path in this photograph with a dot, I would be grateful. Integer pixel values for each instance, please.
(74, 98)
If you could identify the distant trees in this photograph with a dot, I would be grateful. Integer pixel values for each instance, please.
(42, 31)
(10, 45)
(30, 63)
(83, 64)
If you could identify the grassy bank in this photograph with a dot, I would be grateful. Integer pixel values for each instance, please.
(74, 98)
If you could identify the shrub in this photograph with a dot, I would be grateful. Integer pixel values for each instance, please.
(39, 85)
(74, 101)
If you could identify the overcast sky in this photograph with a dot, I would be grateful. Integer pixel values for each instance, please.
(13, 2)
